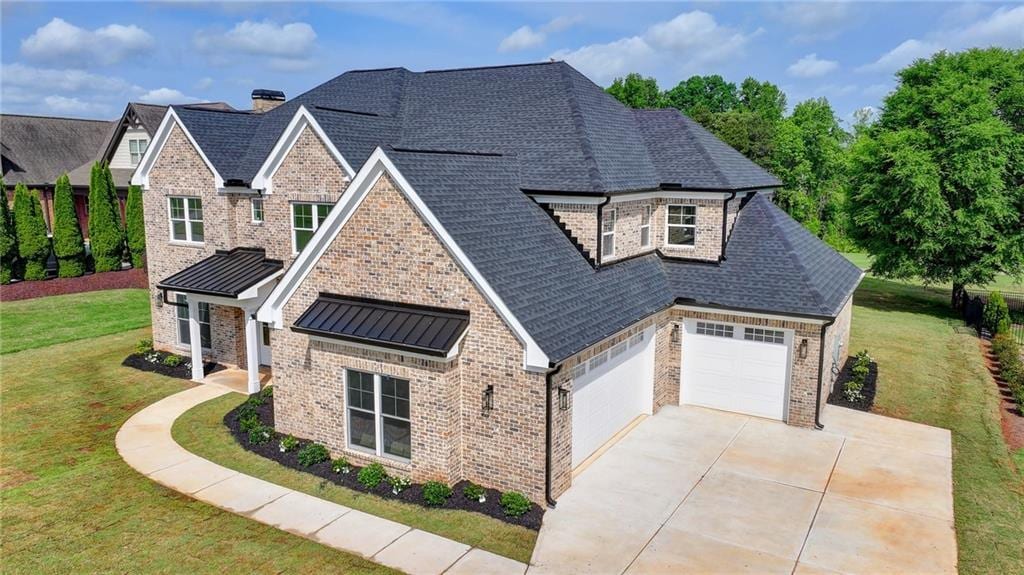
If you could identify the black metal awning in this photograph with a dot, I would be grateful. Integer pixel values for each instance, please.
(225, 273)
(404, 327)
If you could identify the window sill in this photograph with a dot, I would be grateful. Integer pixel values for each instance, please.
(186, 244)
(400, 463)
(680, 247)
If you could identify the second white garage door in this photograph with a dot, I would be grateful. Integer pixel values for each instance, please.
(609, 391)
(736, 368)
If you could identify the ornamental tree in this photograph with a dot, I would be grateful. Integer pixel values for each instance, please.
(67, 234)
(938, 180)
(135, 228)
(8, 239)
(105, 235)
(30, 228)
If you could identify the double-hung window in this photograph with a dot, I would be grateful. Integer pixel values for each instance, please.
(257, 210)
(645, 227)
(306, 220)
(608, 234)
(137, 148)
(184, 335)
(186, 219)
(378, 414)
(682, 225)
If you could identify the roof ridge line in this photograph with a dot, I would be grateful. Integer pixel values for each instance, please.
(701, 149)
(818, 296)
(593, 172)
(492, 67)
(60, 118)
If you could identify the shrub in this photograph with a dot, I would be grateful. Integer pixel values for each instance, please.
(371, 475)
(473, 492)
(514, 503)
(8, 240)
(859, 373)
(398, 484)
(144, 346)
(996, 315)
(288, 443)
(173, 360)
(249, 422)
(313, 453)
(261, 434)
(267, 392)
(135, 228)
(341, 465)
(68, 246)
(30, 229)
(436, 493)
(106, 239)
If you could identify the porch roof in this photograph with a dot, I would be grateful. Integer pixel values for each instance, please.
(225, 273)
(404, 327)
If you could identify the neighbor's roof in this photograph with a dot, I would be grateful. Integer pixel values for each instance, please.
(566, 133)
(38, 149)
(225, 273)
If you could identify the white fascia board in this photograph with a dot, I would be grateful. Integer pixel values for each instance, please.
(568, 199)
(674, 195)
(141, 175)
(725, 311)
(264, 179)
(375, 167)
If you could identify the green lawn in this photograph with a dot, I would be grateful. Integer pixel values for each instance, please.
(1002, 282)
(933, 374)
(201, 431)
(40, 322)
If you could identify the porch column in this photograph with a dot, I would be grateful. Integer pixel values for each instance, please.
(252, 350)
(196, 338)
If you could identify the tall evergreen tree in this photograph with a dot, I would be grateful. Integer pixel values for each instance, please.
(8, 239)
(105, 235)
(135, 227)
(67, 234)
(30, 227)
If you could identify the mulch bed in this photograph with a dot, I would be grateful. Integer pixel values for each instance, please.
(1010, 414)
(181, 371)
(412, 494)
(131, 278)
(867, 392)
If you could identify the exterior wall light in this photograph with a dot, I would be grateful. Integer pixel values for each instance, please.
(489, 398)
(803, 348)
(675, 333)
(563, 399)
(158, 297)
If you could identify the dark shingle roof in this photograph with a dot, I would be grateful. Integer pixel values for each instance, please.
(225, 273)
(38, 149)
(431, 331)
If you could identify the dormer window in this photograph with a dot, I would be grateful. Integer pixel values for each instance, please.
(137, 149)
(608, 234)
(682, 226)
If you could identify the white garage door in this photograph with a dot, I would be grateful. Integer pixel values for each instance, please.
(609, 391)
(736, 368)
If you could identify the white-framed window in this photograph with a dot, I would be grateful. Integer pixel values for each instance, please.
(186, 216)
(184, 335)
(137, 148)
(618, 349)
(579, 371)
(645, 227)
(681, 225)
(715, 329)
(306, 220)
(636, 339)
(598, 360)
(378, 414)
(257, 210)
(765, 335)
(608, 234)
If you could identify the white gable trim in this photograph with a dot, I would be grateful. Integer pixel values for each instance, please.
(264, 179)
(163, 133)
(375, 167)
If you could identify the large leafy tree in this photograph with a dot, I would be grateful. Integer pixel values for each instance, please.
(106, 238)
(763, 98)
(135, 227)
(702, 97)
(8, 239)
(938, 180)
(636, 91)
(67, 234)
(30, 227)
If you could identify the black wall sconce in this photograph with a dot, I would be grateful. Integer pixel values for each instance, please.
(489, 398)
(675, 333)
(563, 399)
(803, 348)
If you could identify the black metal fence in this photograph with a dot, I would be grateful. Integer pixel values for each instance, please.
(972, 307)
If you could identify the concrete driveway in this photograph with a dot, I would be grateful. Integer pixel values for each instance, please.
(704, 491)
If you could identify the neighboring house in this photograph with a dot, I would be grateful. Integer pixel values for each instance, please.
(485, 274)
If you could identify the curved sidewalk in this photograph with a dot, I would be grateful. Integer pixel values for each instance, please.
(145, 443)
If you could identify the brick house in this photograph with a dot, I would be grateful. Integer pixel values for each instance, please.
(487, 273)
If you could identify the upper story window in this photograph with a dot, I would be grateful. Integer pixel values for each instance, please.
(137, 148)
(306, 220)
(257, 210)
(608, 234)
(378, 414)
(645, 227)
(682, 225)
(186, 219)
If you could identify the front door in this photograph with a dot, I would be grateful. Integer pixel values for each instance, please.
(264, 344)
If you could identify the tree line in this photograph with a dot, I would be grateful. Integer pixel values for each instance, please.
(25, 246)
(932, 187)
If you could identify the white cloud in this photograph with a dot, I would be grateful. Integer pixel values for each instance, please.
(810, 66)
(691, 40)
(61, 106)
(289, 46)
(166, 96)
(59, 80)
(813, 20)
(525, 37)
(204, 83)
(68, 45)
(900, 56)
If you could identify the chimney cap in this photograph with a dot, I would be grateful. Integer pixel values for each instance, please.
(264, 94)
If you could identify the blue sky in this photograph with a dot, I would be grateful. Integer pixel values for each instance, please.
(88, 59)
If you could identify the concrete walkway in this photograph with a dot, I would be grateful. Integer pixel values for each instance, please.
(145, 443)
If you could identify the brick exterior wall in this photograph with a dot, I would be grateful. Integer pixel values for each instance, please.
(628, 219)
(581, 221)
(386, 251)
(708, 239)
(837, 334)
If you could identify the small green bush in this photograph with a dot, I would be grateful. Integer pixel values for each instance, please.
(853, 389)
(173, 360)
(267, 392)
(261, 434)
(372, 475)
(398, 484)
(144, 346)
(288, 443)
(473, 492)
(246, 411)
(341, 465)
(1011, 367)
(514, 504)
(249, 422)
(313, 453)
(996, 315)
(436, 493)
